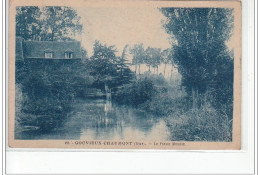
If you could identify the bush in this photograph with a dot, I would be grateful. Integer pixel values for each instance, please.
(152, 94)
(46, 91)
(156, 79)
(135, 93)
(44, 114)
(163, 104)
(205, 124)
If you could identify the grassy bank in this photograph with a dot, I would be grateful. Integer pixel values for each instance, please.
(167, 99)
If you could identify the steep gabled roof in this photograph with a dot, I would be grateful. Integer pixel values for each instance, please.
(36, 49)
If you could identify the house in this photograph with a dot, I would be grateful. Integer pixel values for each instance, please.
(47, 49)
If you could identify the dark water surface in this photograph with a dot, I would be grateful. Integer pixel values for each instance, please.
(99, 119)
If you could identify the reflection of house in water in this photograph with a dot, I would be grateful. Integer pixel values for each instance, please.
(47, 49)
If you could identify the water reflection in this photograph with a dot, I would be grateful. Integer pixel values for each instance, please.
(100, 119)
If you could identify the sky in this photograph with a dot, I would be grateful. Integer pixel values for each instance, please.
(121, 26)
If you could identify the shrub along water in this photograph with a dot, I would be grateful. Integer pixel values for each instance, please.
(155, 95)
(135, 93)
(205, 124)
(45, 91)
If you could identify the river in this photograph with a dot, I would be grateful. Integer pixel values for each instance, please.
(99, 119)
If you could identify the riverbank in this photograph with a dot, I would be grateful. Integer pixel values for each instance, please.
(166, 99)
(97, 119)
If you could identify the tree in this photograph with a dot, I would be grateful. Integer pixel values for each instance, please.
(125, 73)
(166, 58)
(153, 57)
(28, 23)
(47, 24)
(199, 36)
(109, 70)
(84, 53)
(102, 65)
(123, 64)
(156, 59)
(60, 22)
(148, 57)
(138, 56)
(103, 59)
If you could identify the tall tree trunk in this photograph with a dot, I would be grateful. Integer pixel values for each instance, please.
(108, 105)
(171, 71)
(108, 92)
(149, 68)
(135, 68)
(195, 98)
(157, 69)
(164, 69)
(139, 69)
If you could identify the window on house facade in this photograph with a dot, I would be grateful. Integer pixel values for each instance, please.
(48, 54)
(68, 55)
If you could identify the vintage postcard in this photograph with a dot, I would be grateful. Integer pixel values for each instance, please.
(124, 74)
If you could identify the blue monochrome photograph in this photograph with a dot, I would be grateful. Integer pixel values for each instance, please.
(108, 73)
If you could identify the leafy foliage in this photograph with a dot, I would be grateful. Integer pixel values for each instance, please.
(135, 93)
(49, 87)
(153, 57)
(199, 46)
(138, 56)
(108, 68)
(47, 24)
(207, 125)
(28, 23)
(60, 22)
